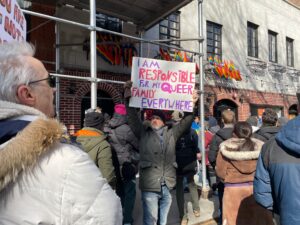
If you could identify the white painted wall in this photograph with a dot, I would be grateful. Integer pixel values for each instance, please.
(275, 15)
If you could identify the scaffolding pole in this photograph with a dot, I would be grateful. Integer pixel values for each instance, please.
(89, 27)
(93, 51)
(57, 67)
(201, 139)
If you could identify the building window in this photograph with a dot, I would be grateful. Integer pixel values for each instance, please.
(169, 28)
(252, 39)
(108, 22)
(214, 39)
(272, 46)
(290, 52)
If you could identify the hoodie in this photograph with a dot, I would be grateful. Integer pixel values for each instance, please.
(277, 179)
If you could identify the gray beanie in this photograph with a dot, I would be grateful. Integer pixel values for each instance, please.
(94, 119)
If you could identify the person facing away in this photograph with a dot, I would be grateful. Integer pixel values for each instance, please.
(158, 165)
(187, 153)
(228, 119)
(276, 183)
(93, 141)
(253, 121)
(236, 165)
(42, 180)
(268, 128)
(125, 145)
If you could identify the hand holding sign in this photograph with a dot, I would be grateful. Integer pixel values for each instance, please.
(195, 96)
(159, 84)
(127, 89)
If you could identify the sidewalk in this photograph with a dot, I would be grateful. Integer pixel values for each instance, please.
(208, 211)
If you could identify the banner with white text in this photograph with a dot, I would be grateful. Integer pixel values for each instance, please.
(160, 84)
(12, 22)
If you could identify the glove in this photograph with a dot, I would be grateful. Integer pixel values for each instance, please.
(127, 89)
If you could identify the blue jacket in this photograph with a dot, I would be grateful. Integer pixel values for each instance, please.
(277, 178)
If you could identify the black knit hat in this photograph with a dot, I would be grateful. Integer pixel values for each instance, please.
(93, 119)
(269, 117)
(160, 114)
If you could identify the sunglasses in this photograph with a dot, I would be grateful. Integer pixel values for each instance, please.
(50, 80)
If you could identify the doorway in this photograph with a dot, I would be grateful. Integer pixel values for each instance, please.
(222, 105)
(104, 101)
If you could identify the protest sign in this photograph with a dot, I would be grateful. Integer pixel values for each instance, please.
(159, 84)
(12, 22)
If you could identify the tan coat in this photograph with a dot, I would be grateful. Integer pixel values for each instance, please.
(235, 167)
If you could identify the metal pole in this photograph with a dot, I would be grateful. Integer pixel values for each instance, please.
(93, 54)
(87, 78)
(104, 30)
(57, 67)
(201, 102)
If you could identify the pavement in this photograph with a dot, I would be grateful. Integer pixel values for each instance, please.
(208, 210)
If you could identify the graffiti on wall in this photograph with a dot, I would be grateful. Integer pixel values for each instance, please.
(225, 69)
(114, 50)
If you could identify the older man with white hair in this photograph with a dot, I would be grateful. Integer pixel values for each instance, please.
(43, 181)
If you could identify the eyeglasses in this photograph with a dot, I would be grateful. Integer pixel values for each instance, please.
(50, 79)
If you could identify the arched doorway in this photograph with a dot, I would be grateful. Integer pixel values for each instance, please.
(293, 111)
(222, 105)
(104, 101)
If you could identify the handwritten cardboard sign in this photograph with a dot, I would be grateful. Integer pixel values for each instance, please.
(12, 22)
(159, 84)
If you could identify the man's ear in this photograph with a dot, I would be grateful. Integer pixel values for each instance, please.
(25, 96)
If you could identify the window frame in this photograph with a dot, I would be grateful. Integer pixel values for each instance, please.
(108, 22)
(252, 44)
(290, 41)
(272, 34)
(166, 24)
(213, 37)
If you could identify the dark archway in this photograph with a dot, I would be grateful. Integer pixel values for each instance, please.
(293, 111)
(222, 105)
(104, 101)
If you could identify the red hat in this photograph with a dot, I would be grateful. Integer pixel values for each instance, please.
(120, 109)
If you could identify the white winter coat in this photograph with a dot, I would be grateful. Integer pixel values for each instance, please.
(43, 181)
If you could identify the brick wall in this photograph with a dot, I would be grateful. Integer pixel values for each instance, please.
(70, 103)
(244, 98)
(72, 91)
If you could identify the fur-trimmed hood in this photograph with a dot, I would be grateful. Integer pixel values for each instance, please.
(23, 151)
(229, 149)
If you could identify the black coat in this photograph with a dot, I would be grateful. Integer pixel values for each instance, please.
(266, 133)
(222, 135)
(186, 152)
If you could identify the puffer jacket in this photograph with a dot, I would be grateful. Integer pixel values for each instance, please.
(157, 163)
(277, 178)
(44, 181)
(236, 168)
(94, 143)
(123, 140)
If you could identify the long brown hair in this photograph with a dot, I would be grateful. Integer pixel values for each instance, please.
(244, 130)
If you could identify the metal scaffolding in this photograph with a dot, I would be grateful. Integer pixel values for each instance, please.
(93, 65)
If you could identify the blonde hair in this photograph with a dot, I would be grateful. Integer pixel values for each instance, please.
(228, 117)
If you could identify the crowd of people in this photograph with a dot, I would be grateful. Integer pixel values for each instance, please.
(49, 177)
